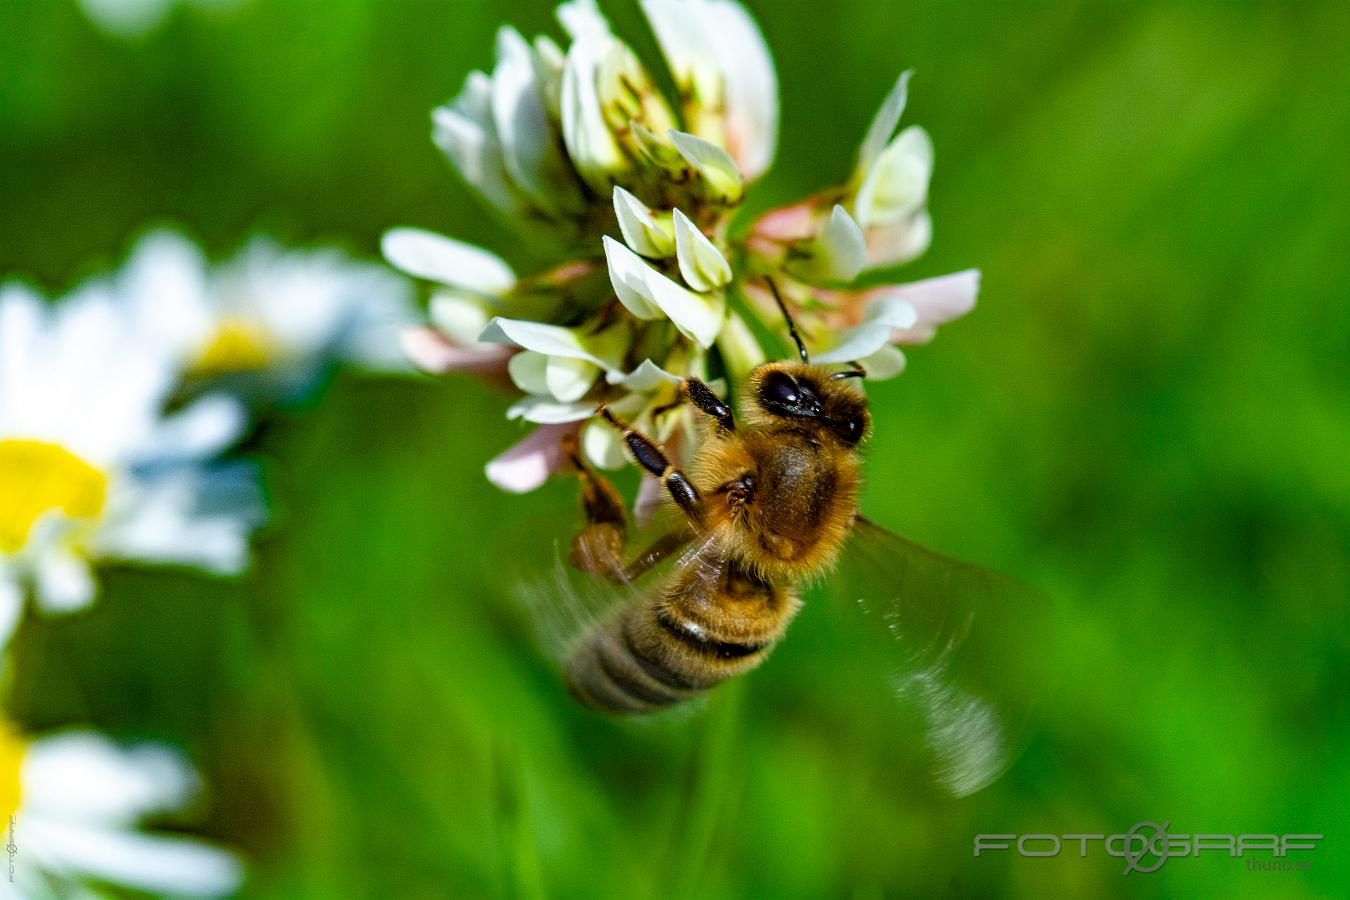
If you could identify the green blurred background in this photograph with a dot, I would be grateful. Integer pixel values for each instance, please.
(1148, 415)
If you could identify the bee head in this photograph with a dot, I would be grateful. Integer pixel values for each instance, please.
(809, 395)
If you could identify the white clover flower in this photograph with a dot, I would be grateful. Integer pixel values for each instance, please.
(579, 150)
(92, 468)
(275, 316)
(71, 802)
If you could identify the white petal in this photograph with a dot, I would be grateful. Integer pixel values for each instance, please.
(83, 777)
(11, 608)
(204, 428)
(581, 17)
(716, 52)
(897, 185)
(569, 379)
(602, 445)
(593, 148)
(883, 125)
(712, 162)
(604, 349)
(887, 362)
(936, 300)
(185, 515)
(626, 274)
(701, 265)
(528, 464)
(442, 259)
(838, 252)
(641, 231)
(471, 145)
(527, 370)
(521, 122)
(23, 340)
(176, 867)
(63, 582)
(460, 318)
(642, 288)
(547, 411)
(647, 377)
(884, 316)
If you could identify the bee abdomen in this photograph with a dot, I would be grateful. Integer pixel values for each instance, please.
(649, 656)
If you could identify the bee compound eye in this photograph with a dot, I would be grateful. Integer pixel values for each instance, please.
(778, 389)
(850, 430)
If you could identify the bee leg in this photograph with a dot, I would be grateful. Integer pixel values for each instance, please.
(598, 547)
(708, 403)
(649, 456)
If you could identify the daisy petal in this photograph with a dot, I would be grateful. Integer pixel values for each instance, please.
(157, 865)
(83, 777)
(63, 582)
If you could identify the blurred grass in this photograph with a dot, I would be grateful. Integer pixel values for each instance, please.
(1148, 415)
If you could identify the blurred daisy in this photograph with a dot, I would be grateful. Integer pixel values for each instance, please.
(71, 803)
(131, 19)
(578, 149)
(91, 466)
(270, 320)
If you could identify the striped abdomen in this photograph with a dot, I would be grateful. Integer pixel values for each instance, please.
(682, 639)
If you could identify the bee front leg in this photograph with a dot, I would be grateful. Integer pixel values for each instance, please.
(649, 456)
(599, 546)
(708, 403)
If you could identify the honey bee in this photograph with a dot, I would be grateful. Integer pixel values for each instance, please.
(768, 505)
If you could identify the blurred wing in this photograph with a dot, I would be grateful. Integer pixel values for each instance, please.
(963, 646)
(563, 602)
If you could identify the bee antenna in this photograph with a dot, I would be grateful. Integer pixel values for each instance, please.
(856, 372)
(792, 326)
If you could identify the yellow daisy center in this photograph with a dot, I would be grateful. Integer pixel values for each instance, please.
(36, 477)
(237, 345)
(12, 747)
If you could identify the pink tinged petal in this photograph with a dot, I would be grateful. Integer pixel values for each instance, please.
(900, 241)
(432, 353)
(651, 494)
(787, 223)
(936, 300)
(528, 464)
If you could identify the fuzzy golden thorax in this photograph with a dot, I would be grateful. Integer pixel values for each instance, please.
(783, 487)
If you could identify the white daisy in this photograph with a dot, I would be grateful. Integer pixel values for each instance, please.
(70, 803)
(91, 467)
(273, 314)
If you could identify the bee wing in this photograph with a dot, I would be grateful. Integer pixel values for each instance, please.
(563, 602)
(961, 644)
